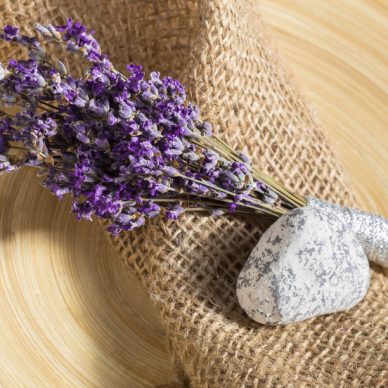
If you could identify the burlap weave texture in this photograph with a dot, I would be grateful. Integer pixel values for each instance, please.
(219, 49)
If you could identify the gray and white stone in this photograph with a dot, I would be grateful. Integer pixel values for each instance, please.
(306, 264)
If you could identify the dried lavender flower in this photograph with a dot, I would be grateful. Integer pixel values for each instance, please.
(127, 147)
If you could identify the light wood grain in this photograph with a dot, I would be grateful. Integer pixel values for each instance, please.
(72, 315)
(339, 51)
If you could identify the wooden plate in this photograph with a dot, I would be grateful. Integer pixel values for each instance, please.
(72, 315)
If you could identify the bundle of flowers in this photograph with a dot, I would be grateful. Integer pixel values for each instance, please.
(126, 147)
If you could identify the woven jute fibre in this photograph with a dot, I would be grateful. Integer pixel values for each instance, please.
(220, 50)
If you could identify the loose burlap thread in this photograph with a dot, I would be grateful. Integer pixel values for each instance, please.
(220, 50)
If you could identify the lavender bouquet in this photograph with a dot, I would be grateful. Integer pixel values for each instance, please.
(129, 147)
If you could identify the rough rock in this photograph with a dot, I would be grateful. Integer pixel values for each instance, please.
(306, 264)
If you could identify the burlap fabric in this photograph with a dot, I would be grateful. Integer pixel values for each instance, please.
(220, 50)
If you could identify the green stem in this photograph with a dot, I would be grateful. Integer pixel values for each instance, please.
(264, 207)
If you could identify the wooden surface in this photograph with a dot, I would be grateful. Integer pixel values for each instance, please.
(72, 315)
(339, 52)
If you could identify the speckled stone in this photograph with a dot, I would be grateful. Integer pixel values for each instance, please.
(306, 264)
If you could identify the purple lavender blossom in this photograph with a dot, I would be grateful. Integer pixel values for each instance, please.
(126, 147)
(9, 32)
